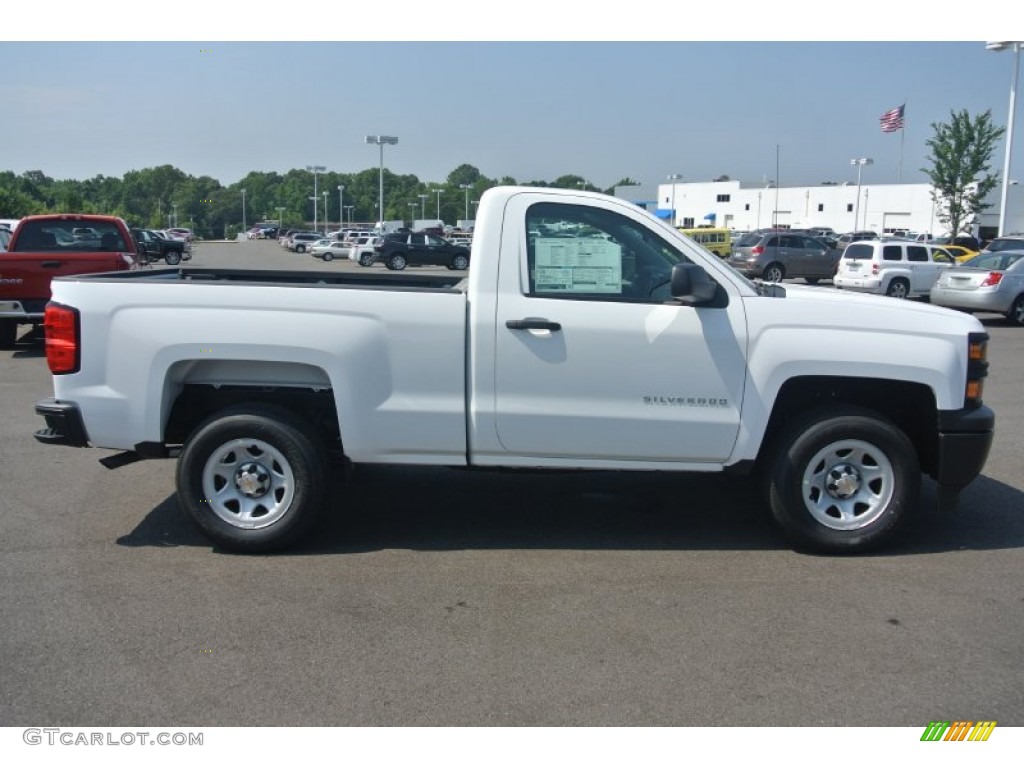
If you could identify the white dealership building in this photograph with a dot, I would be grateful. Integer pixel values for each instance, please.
(882, 207)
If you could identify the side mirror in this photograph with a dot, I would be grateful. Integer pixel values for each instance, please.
(691, 284)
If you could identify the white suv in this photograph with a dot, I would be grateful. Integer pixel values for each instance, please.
(898, 269)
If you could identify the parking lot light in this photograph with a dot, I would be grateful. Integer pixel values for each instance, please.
(1015, 47)
(466, 187)
(674, 177)
(341, 205)
(244, 228)
(380, 141)
(315, 169)
(860, 162)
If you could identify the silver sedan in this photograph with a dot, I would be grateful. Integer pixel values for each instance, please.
(990, 282)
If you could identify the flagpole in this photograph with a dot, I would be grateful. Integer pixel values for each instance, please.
(903, 130)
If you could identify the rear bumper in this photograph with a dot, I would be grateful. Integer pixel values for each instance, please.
(64, 425)
(23, 310)
(965, 438)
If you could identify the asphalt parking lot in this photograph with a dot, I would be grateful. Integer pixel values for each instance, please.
(444, 597)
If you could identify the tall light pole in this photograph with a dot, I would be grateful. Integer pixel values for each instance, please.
(280, 217)
(860, 162)
(380, 141)
(674, 177)
(175, 206)
(349, 209)
(466, 187)
(315, 169)
(423, 206)
(326, 217)
(1015, 47)
(438, 192)
(412, 214)
(341, 205)
(244, 228)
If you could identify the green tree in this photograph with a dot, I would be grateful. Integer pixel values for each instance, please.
(961, 151)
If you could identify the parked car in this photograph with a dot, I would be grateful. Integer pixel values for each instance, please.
(5, 238)
(895, 268)
(181, 233)
(154, 247)
(301, 241)
(849, 237)
(964, 241)
(1006, 243)
(776, 255)
(959, 253)
(990, 282)
(400, 249)
(362, 251)
(329, 250)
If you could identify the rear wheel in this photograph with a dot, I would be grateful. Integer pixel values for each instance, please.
(842, 479)
(1016, 313)
(328, 256)
(396, 261)
(774, 273)
(460, 262)
(300, 249)
(252, 478)
(812, 280)
(898, 289)
(365, 260)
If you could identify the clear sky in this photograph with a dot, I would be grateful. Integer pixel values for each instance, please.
(543, 95)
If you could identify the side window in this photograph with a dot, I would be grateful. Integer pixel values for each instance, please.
(892, 253)
(917, 253)
(942, 256)
(586, 252)
(772, 242)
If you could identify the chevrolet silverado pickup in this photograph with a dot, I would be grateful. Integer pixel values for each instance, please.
(48, 246)
(612, 342)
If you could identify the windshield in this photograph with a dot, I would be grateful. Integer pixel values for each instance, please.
(997, 261)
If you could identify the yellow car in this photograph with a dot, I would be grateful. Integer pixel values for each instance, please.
(959, 253)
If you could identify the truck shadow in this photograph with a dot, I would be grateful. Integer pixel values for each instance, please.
(30, 344)
(449, 509)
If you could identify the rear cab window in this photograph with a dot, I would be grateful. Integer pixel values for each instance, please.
(859, 251)
(56, 236)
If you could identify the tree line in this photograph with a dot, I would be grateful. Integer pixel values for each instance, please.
(161, 197)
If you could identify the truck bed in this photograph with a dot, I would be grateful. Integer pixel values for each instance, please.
(454, 283)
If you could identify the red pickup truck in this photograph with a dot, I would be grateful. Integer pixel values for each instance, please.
(44, 247)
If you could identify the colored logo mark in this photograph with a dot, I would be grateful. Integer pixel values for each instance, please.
(958, 730)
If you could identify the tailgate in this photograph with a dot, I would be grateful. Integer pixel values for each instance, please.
(28, 275)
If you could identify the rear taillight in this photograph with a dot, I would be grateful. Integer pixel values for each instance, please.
(874, 268)
(62, 338)
(757, 250)
(992, 279)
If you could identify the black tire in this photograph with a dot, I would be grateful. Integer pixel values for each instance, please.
(1016, 312)
(172, 257)
(898, 288)
(842, 479)
(366, 260)
(300, 249)
(328, 256)
(8, 334)
(253, 478)
(460, 262)
(812, 280)
(773, 273)
(396, 261)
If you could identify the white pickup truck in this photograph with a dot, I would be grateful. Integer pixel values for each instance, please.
(588, 335)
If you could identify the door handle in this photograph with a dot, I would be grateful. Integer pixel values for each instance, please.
(50, 264)
(533, 324)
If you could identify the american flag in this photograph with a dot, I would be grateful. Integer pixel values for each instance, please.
(893, 119)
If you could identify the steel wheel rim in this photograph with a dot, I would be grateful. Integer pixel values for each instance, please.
(898, 291)
(848, 485)
(248, 483)
(1018, 312)
(773, 275)
(461, 262)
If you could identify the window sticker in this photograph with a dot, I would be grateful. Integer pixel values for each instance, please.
(577, 265)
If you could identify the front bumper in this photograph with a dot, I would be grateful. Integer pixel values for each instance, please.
(965, 437)
(64, 425)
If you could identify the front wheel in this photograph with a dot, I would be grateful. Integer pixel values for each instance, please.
(252, 478)
(172, 257)
(300, 249)
(396, 261)
(1016, 313)
(460, 262)
(842, 480)
(328, 256)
